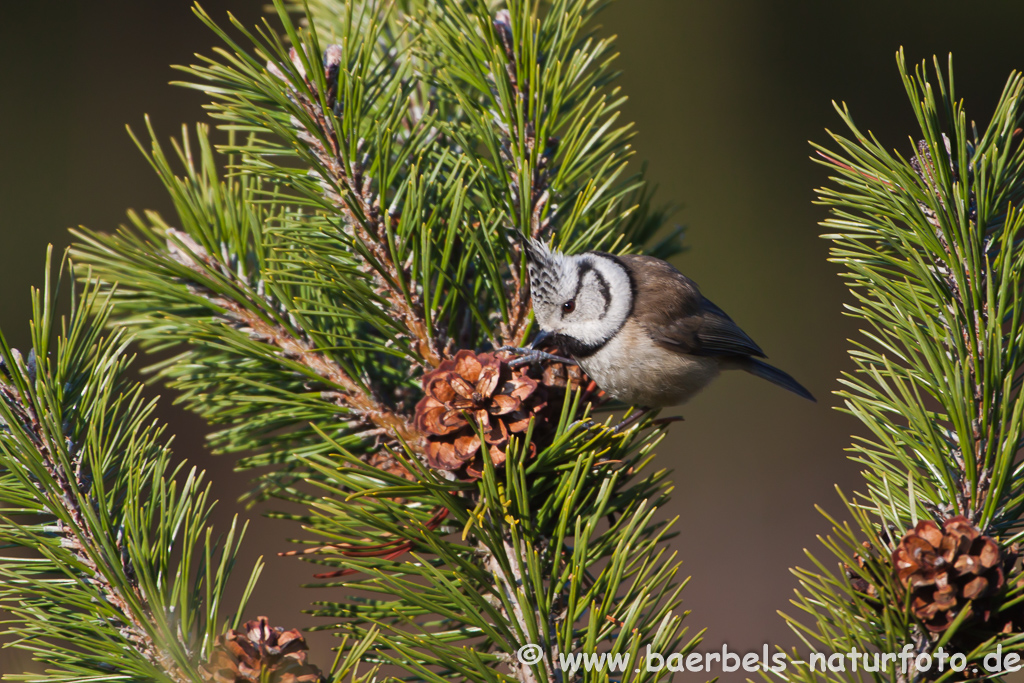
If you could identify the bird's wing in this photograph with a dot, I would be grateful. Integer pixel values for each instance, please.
(671, 308)
(720, 335)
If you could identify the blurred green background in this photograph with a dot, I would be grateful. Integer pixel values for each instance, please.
(725, 96)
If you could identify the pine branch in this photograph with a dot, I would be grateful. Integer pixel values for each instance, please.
(535, 87)
(933, 249)
(516, 577)
(187, 294)
(351, 261)
(434, 266)
(294, 347)
(947, 245)
(79, 538)
(363, 216)
(85, 483)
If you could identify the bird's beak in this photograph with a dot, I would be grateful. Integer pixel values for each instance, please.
(540, 339)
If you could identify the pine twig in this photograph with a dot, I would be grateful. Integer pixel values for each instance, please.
(78, 537)
(351, 396)
(366, 220)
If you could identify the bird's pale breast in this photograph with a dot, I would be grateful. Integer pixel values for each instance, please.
(636, 371)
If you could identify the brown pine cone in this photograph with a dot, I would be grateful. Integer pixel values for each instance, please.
(259, 653)
(858, 583)
(384, 461)
(570, 377)
(473, 391)
(944, 569)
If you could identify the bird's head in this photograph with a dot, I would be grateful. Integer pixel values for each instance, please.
(585, 297)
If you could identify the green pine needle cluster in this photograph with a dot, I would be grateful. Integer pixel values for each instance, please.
(344, 232)
(110, 570)
(932, 245)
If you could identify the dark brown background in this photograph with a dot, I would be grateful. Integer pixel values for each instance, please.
(725, 96)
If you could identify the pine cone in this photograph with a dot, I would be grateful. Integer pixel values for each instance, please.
(857, 582)
(499, 400)
(384, 461)
(945, 569)
(260, 653)
(562, 376)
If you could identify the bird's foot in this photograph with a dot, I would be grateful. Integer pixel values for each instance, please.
(586, 424)
(528, 356)
(631, 420)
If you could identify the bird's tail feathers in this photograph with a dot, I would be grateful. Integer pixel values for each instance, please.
(775, 376)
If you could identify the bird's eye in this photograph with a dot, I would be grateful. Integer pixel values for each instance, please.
(569, 306)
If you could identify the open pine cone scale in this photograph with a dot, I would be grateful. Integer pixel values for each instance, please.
(946, 568)
(472, 392)
(260, 653)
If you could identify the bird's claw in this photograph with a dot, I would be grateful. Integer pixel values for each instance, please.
(631, 420)
(586, 423)
(528, 355)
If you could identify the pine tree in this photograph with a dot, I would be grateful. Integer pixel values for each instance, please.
(931, 242)
(332, 294)
(125, 576)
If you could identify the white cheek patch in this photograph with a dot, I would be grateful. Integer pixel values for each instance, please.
(555, 278)
(614, 291)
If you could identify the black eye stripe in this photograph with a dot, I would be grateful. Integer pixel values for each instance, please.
(602, 286)
(606, 292)
(580, 275)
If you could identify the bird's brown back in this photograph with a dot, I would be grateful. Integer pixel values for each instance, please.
(671, 308)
